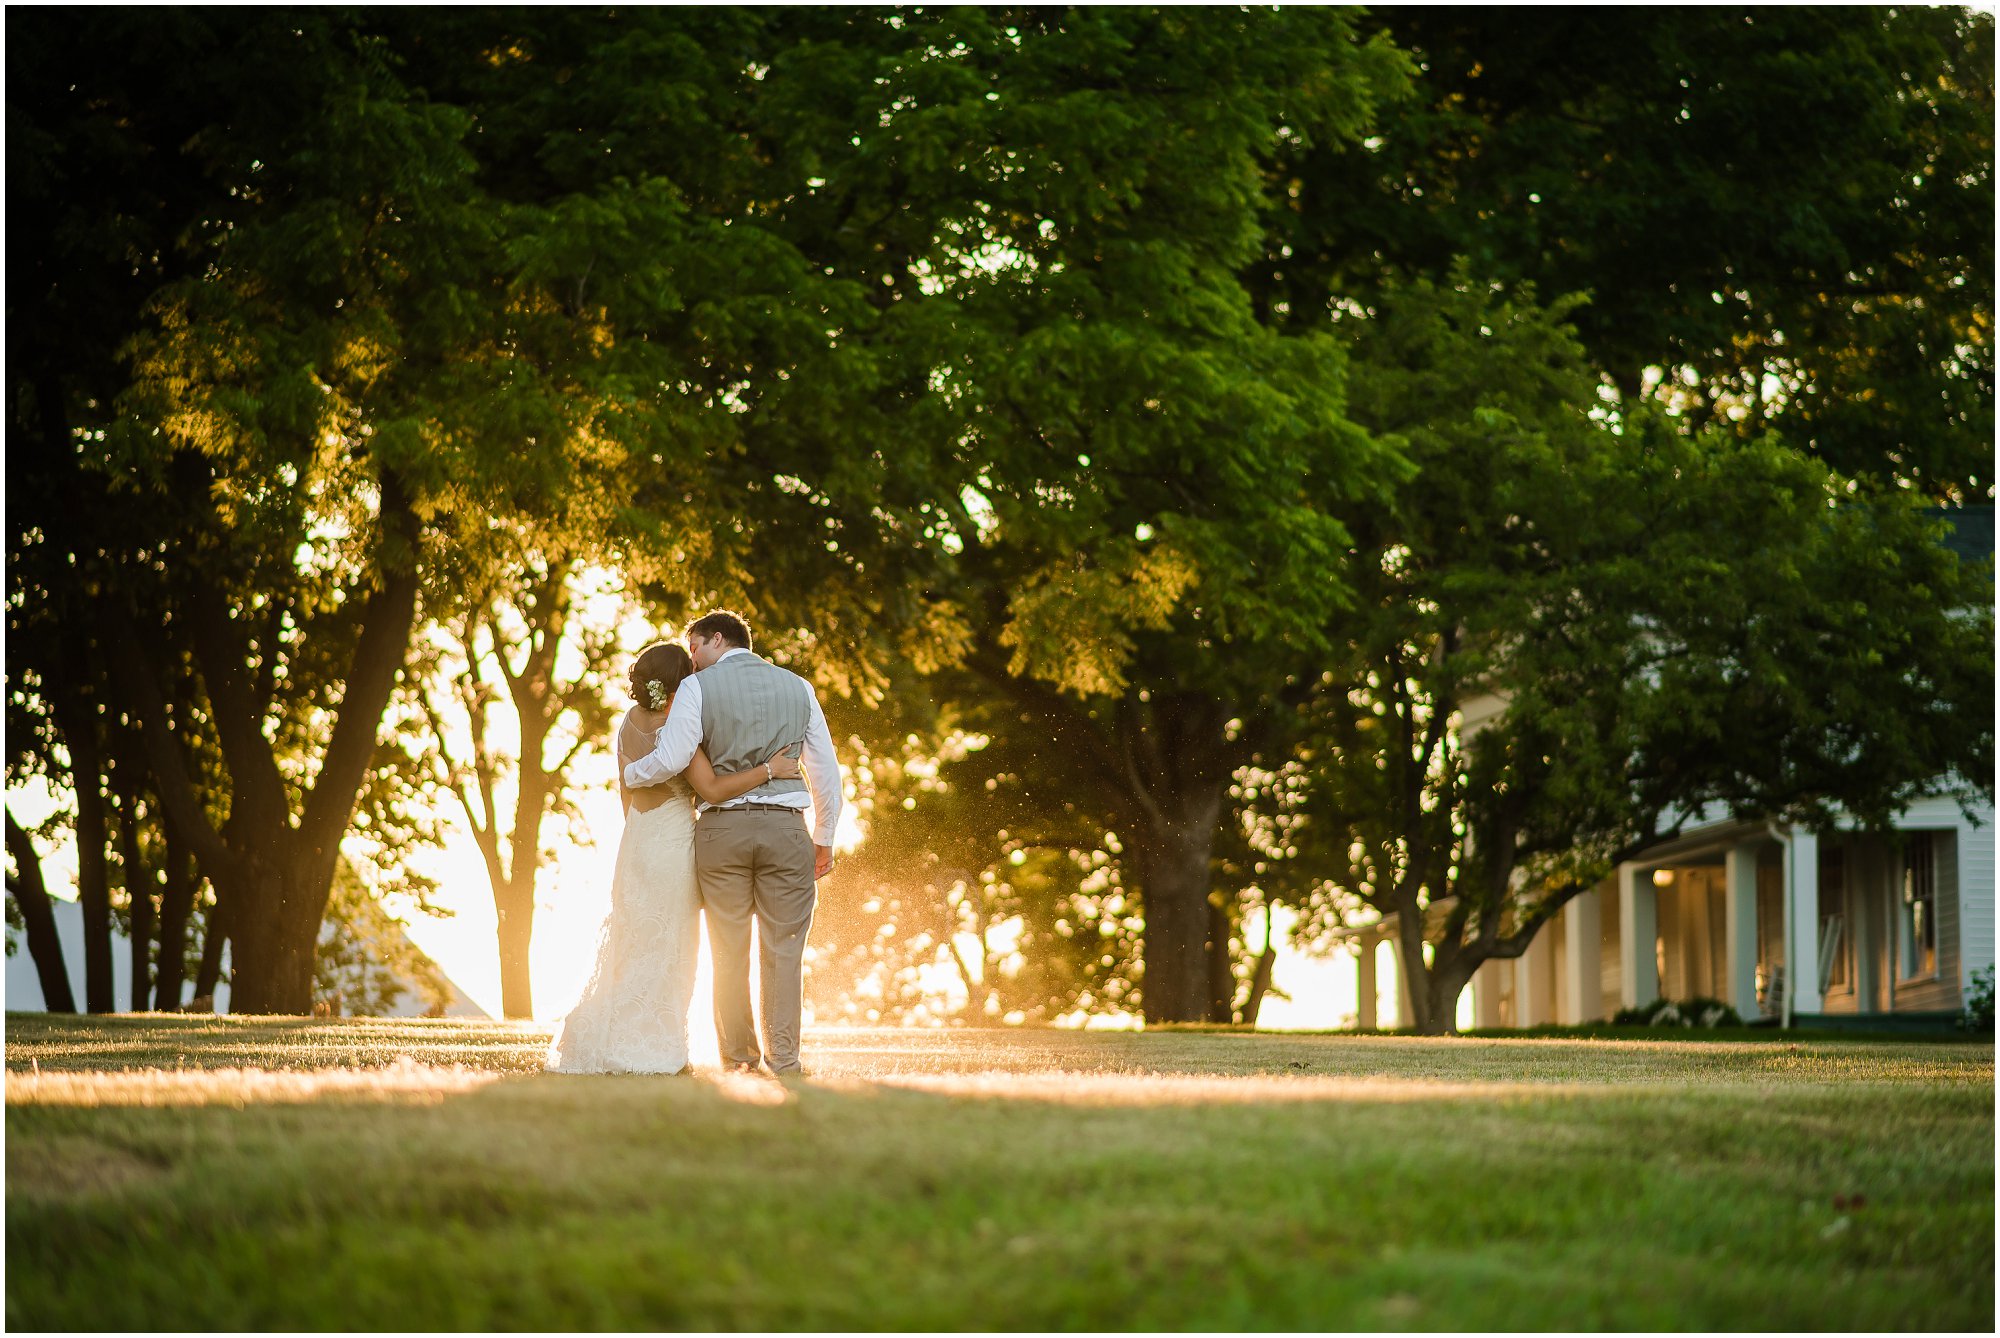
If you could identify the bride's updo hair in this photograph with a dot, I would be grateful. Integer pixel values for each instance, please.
(663, 662)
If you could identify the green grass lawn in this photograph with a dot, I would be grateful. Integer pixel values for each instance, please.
(221, 1173)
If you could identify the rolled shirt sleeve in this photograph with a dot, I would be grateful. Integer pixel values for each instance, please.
(822, 771)
(677, 739)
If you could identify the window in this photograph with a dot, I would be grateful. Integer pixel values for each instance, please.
(1833, 940)
(1917, 927)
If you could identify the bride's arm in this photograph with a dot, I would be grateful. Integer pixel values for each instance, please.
(715, 789)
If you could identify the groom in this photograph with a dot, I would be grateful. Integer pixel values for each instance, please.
(752, 855)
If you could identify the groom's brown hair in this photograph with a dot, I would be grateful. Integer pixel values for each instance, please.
(724, 623)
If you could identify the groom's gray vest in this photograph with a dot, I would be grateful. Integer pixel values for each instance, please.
(750, 708)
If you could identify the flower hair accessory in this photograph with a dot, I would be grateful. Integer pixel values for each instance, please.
(656, 692)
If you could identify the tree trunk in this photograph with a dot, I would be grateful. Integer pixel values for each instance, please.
(1410, 964)
(176, 907)
(1178, 985)
(1260, 978)
(93, 892)
(532, 690)
(1175, 757)
(516, 907)
(514, 898)
(276, 926)
(139, 890)
(208, 972)
(1221, 980)
(274, 935)
(1434, 990)
(275, 877)
(76, 717)
(31, 894)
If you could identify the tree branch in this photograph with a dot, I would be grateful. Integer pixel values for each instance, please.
(223, 654)
(371, 677)
(1134, 782)
(267, 667)
(451, 768)
(473, 688)
(561, 768)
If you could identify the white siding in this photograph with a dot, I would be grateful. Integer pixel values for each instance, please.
(1972, 907)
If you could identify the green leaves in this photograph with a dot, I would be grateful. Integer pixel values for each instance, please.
(1789, 212)
(1071, 625)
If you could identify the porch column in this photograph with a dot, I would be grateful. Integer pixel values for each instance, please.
(1802, 895)
(1638, 934)
(1891, 905)
(1740, 917)
(1486, 995)
(1863, 881)
(1364, 1003)
(1583, 957)
(1532, 1005)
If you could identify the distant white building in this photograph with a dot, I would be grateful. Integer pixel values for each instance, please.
(1773, 922)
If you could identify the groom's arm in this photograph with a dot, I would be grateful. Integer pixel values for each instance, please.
(822, 773)
(678, 739)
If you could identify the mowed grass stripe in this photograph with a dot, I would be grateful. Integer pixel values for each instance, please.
(1391, 1183)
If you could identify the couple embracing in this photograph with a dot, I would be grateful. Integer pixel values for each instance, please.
(716, 758)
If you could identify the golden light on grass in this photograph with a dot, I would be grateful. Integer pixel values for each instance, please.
(246, 1063)
(748, 1088)
(404, 1080)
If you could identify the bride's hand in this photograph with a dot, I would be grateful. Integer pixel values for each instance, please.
(784, 766)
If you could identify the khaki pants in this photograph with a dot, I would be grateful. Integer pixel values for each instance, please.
(756, 861)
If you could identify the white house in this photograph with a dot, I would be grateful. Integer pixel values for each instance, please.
(1779, 923)
(1786, 924)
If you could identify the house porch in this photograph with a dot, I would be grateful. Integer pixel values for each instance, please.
(1875, 919)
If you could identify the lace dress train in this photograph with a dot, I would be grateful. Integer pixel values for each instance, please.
(633, 1016)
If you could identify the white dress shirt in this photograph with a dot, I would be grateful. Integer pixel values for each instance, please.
(681, 735)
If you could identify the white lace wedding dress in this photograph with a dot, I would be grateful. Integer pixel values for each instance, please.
(633, 1016)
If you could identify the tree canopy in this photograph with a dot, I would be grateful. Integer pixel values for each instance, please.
(1783, 218)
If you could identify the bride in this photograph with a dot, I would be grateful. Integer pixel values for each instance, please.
(633, 1015)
